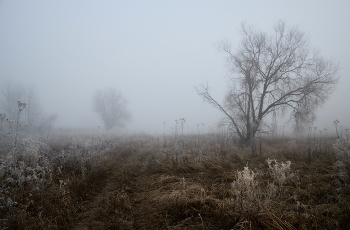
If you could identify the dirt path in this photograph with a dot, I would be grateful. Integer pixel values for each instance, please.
(143, 207)
(124, 202)
(89, 218)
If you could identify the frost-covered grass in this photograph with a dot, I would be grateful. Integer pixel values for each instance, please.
(205, 182)
(44, 181)
(342, 152)
(176, 181)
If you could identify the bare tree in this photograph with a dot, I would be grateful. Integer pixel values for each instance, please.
(33, 113)
(272, 74)
(46, 123)
(111, 106)
(11, 92)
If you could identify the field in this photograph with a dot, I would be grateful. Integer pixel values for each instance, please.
(199, 181)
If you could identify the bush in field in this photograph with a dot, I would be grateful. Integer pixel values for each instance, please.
(247, 191)
(250, 196)
(280, 172)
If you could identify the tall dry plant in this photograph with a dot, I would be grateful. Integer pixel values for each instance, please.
(280, 172)
(342, 152)
(21, 106)
(247, 191)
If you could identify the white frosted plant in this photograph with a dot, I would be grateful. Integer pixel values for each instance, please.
(280, 172)
(34, 168)
(247, 191)
(19, 179)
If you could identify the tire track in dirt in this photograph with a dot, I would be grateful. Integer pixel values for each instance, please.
(124, 202)
(90, 217)
(143, 207)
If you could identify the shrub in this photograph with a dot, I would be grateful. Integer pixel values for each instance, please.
(280, 172)
(247, 191)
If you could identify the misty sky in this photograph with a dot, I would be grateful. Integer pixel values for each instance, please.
(154, 52)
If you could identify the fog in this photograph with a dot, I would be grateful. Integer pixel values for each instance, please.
(155, 53)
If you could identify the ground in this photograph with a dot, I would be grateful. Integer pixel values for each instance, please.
(160, 189)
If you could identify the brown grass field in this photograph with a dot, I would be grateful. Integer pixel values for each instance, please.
(185, 183)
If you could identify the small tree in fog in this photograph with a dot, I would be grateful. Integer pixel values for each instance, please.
(272, 73)
(11, 92)
(111, 106)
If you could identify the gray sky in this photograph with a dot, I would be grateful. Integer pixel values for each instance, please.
(155, 52)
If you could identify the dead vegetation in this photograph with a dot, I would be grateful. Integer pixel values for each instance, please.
(189, 184)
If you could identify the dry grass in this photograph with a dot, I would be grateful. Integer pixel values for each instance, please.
(148, 186)
(50, 193)
(188, 195)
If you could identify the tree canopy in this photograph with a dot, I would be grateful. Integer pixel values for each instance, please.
(111, 106)
(272, 73)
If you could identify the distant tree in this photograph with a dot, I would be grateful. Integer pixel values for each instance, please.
(111, 106)
(12, 92)
(272, 73)
(34, 113)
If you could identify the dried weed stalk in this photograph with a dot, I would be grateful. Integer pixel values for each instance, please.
(247, 191)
